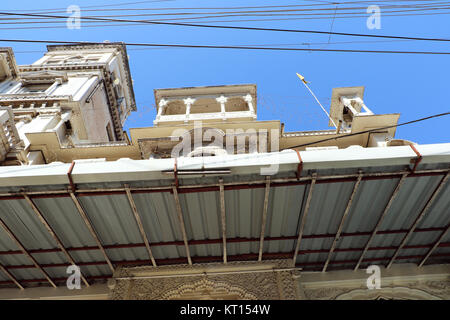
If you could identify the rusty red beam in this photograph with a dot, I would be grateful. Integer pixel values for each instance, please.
(218, 241)
(56, 280)
(313, 263)
(244, 185)
(242, 257)
(197, 259)
(69, 176)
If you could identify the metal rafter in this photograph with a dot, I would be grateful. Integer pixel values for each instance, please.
(139, 223)
(341, 225)
(264, 218)
(181, 221)
(436, 244)
(25, 252)
(9, 274)
(91, 229)
(380, 219)
(52, 234)
(420, 216)
(303, 218)
(223, 220)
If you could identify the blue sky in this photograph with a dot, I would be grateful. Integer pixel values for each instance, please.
(413, 85)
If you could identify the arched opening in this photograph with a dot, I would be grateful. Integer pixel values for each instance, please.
(205, 105)
(236, 104)
(174, 107)
(208, 290)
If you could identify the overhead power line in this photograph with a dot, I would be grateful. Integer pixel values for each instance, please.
(371, 130)
(233, 47)
(229, 27)
(61, 24)
(418, 6)
(237, 14)
(102, 7)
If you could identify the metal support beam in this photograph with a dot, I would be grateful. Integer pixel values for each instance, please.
(53, 234)
(9, 274)
(436, 244)
(91, 229)
(223, 220)
(181, 220)
(240, 257)
(196, 188)
(341, 225)
(264, 218)
(244, 240)
(140, 225)
(420, 216)
(303, 218)
(25, 252)
(380, 219)
(416, 160)
(255, 256)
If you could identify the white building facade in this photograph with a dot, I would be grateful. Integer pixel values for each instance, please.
(83, 93)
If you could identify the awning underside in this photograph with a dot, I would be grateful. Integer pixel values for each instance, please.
(338, 219)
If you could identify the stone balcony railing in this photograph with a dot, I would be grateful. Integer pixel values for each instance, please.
(232, 115)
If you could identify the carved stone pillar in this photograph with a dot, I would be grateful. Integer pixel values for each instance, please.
(222, 100)
(162, 104)
(188, 102)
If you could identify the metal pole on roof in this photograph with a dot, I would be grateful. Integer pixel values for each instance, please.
(307, 87)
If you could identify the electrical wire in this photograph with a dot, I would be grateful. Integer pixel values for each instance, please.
(257, 45)
(102, 8)
(416, 8)
(233, 27)
(233, 47)
(62, 25)
(35, 20)
(371, 130)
